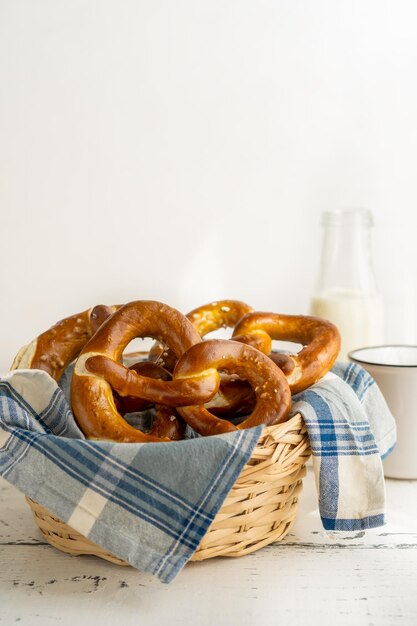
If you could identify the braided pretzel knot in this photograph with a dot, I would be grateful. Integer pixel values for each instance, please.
(99, 370)
(235, 396)
(273, 396)
(319, 337)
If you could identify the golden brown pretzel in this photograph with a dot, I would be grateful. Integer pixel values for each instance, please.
(273, 396)
(235, 397)
(320, 338)
(100, 361)
(127, 382)
(54, 349)
(133, 404)
(205, 319)
(215, 315)
(227, 314)
(99, 314)
(166, 421)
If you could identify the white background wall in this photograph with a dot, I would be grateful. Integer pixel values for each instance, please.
(183, 150)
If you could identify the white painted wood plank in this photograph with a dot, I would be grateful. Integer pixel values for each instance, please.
(280, 584)
(308, 579)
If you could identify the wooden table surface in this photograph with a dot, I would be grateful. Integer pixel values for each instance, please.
(310, 578)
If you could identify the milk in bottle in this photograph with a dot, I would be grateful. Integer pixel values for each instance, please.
(346, 291)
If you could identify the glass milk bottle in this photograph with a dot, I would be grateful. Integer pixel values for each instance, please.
(346, 291)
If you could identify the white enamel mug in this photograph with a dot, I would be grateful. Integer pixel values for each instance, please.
(394, 369)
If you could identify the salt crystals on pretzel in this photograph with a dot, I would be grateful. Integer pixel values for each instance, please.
(320, 340)
(272, 393)
(186, 379)
(99, 369)
(54, 349)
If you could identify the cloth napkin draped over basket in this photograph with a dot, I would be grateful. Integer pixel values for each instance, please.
(153, 505)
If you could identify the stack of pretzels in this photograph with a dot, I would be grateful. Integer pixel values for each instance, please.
(214, 386)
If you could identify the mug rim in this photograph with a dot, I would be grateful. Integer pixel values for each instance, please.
(381, 363)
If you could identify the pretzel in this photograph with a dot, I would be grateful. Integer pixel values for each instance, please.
(234, 397)
(57, 347)
(205, 319)
(133, 404)
(319, 337)
(215, 315)
(99, 369)
(166, 422)
(228, 313)
(273, 397)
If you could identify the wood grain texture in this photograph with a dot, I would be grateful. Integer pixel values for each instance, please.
(366, 579)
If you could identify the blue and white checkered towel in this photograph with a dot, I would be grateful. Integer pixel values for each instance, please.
(350, 429)
(152, 504)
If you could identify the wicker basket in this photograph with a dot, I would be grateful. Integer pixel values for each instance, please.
(260, 508)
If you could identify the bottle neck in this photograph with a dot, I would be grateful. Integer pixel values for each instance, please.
(346, 261)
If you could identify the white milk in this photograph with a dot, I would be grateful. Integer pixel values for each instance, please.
(359, 318)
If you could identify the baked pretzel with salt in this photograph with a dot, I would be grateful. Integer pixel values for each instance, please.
(227, 314)
(272, 393)
(320, 340)
(56, 348)
(166, 421)
(99, 370)
(205, 319)
(235, 397)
